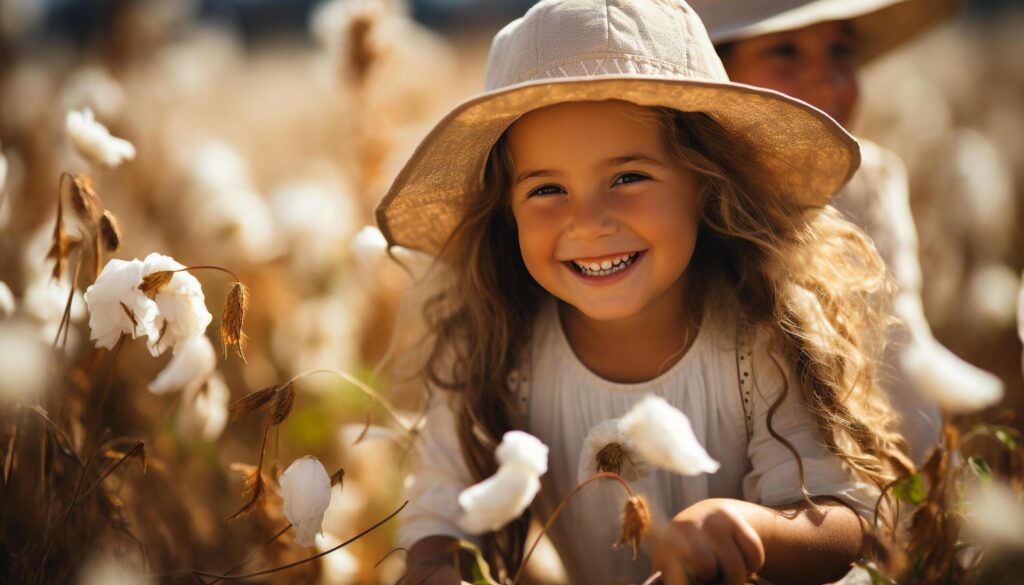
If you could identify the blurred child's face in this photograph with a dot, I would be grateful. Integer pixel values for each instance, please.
(607, 221)
(816, 64)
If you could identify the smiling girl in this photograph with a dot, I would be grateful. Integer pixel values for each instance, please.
(615, 219)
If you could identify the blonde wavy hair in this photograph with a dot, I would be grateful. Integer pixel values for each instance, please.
(807, 279)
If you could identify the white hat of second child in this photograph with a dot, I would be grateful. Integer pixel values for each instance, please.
(648, 52)
(884, 24)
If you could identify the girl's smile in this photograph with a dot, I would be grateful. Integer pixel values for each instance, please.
(607, 220)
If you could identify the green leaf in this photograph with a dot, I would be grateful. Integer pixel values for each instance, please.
(1007, 439)
(910, 490)
(981, 469)
(481, 570)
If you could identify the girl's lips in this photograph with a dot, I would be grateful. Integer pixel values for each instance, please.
(608, 278)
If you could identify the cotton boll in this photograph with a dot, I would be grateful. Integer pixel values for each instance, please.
(501, 498)
(204, 409)
(608, 448)
(956, 385)
(93, 142)
(46, 298)
(518, 447)
(24, 364)
(193, 362)
(306, 490)
(317, 218)
(991, 295)
(240, 220)
(216, 165)
(995, 514)
(663, 435)
(369, 246)
(7, 305)
(181, 305)
(117, 306)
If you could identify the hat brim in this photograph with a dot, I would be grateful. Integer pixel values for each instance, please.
(809, 154)
(884, 24)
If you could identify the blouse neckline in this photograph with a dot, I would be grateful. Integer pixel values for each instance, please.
(592, 378)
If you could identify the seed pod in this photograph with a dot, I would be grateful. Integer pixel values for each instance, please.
(282, 405)
(110, 231)
(153, 282)
(636, 519)
(610, 458)
(233, 319)
(251, 402)
(84, 200)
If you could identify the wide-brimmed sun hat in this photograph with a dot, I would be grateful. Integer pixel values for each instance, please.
(648, 52)
(883, 24)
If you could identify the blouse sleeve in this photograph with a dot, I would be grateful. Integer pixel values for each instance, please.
(438, 475)
(774, 475)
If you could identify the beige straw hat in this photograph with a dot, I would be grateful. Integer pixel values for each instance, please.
(648, 52)
(884, 24)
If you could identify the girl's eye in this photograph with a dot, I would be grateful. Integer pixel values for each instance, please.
(783, 51)
(627, 178)
(545, 190)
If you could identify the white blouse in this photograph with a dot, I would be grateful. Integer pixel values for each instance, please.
(724, 384)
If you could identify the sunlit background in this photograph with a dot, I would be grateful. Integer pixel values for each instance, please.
(266, 131)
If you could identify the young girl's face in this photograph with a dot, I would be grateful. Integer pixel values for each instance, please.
(816, 64)
(607, 221)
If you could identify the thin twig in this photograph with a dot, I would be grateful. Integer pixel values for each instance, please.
(185, 572)
(209, 267)
(252, 555)
(558, 510)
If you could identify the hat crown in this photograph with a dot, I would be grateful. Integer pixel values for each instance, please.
(559, 39)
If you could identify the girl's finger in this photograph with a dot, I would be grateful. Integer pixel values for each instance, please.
(750, 546)
(732, 569)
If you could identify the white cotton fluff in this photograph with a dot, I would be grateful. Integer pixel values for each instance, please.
(501, 498)
(93, 141)
(306, 490)
(181, 306)
(115, 300)
(607, 433)
(7, 305)
(204, 410)
(956, 385)
(663, 435)
(194, 362)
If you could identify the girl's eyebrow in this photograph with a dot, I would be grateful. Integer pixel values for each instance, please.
(610, 162)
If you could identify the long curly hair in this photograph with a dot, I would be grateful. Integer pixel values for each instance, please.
(807, 279)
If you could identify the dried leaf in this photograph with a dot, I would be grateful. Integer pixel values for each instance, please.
(636, 519)
(250, 402)
(154, 281)
(131, 317)
(284, 398)
(83, 198)
(338, 477)
(252, 492)
(110, 231)
(233, 319)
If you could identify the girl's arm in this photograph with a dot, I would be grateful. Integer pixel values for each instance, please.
(723, 540)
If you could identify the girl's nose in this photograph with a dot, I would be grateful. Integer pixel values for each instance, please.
(591, 217)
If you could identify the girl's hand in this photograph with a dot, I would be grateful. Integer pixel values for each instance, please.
(713, 542)
(426, 574)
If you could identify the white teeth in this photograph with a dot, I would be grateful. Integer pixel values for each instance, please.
(605, 267)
